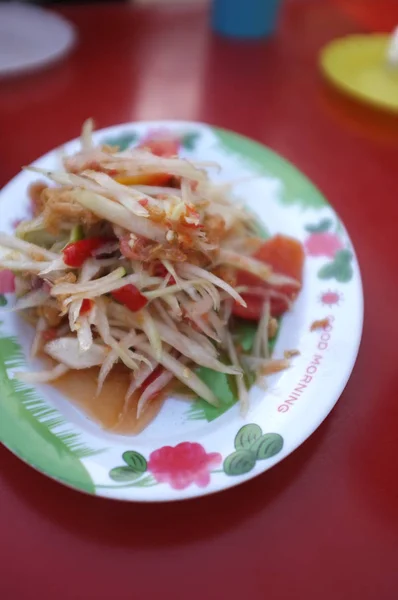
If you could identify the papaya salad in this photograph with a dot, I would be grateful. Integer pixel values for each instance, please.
(136, 258)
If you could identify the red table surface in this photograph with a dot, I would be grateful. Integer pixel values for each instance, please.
(324, 523)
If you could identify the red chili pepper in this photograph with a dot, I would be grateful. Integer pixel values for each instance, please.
(130, 296)
(151, 377)
(143, 202)
(159, 270)
(86, 306)
(77, 252)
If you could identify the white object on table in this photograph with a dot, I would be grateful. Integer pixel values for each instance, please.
(31, 38)
(392, 52)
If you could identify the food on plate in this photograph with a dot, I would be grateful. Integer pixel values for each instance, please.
(136, 261)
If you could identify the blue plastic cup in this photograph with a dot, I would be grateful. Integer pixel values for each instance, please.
(245, 18)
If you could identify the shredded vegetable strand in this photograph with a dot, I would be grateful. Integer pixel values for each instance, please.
(163, 314)
(194, 271)
(199, 338)
(32, 250)
(119, 215)
(131, 339)
(260, 344)
(243, 395)
(150, 327)
(31, 299)
(191, 349)
(184, 374)
(84, 333)
(67, 350)
(103, 328)
(23, 265)
(105, 369)
(153, 390)
(74, 288)
(37, 340)
(139, 377)
(42, 376)
(205, 328)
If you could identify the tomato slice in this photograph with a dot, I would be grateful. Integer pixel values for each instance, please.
(286, 256)
(166, 147)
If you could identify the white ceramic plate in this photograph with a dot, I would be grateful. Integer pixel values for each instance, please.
(185, 451)
(31, 38)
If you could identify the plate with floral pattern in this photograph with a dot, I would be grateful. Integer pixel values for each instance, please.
(190, 448)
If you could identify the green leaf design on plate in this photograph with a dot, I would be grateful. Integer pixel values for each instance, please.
(135, 461)
(239, 462)
(323, 225)
(123, 474)
(3, 300)
(123, 141)
(344, 274)
(35, 431)
(339, 228)
(327, 271)
(147, 481)
(267, 445)
(189, 140)
(343, 257)
(246, 436)
(297, 189)
(340, 269)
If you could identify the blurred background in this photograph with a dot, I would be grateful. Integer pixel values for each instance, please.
(249, 65)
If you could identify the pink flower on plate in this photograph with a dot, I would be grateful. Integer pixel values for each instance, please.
(330, 298)
(7, 282)
(182, 465)
(323, 244)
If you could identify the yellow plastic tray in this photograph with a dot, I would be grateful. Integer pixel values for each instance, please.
(357, 65)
